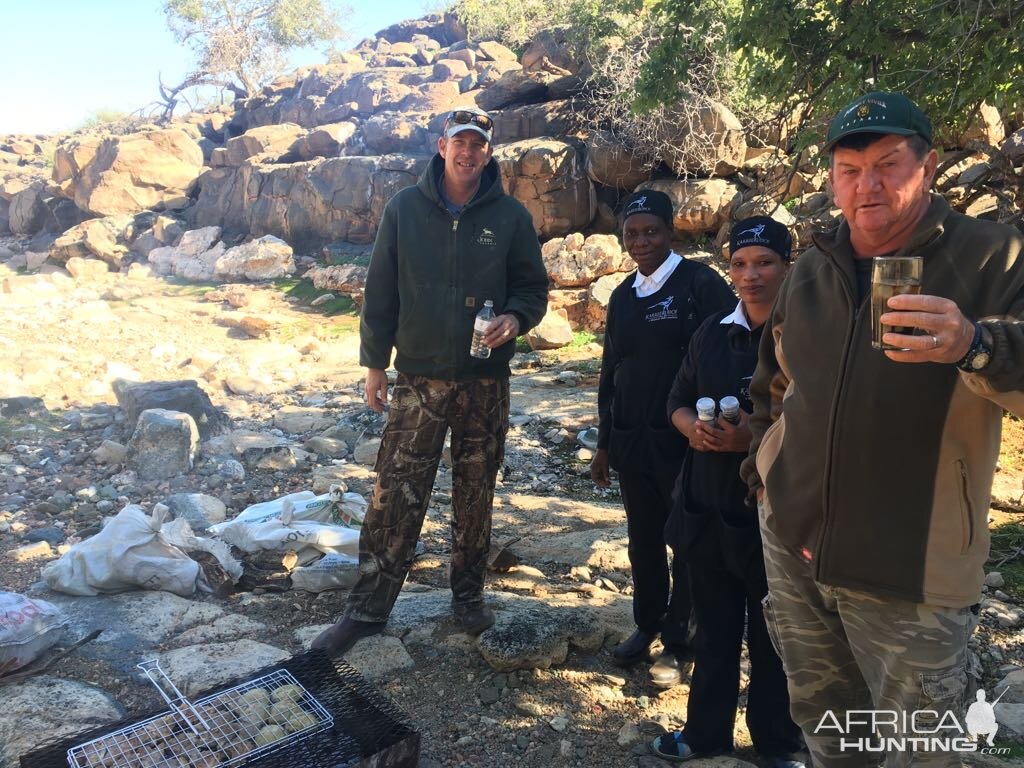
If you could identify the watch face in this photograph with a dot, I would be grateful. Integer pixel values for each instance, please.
(980, 360)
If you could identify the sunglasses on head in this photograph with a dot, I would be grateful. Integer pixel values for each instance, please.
(465, 117)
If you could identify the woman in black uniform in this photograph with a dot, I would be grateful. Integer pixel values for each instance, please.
(651, 316)
(713, 528)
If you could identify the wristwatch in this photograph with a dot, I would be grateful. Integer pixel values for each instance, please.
(978, 355)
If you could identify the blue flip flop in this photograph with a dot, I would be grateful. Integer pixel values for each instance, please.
(670, 746)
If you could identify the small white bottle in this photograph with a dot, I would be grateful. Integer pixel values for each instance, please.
(730, 409)
(706, 410)
(483, 319)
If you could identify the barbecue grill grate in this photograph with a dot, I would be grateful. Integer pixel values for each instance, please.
(237, 724)
(368, 730)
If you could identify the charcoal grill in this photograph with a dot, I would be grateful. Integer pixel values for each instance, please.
(336, 721)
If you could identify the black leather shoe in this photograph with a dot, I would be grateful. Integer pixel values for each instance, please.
(473, 618)
(668, 669)
(634, 649)
(342, 636)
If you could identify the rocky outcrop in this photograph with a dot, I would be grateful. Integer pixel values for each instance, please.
(612, 164)
(325, 141)
(127, 174)
(573, 261)
(27, 212)
(349, 279)
(552, 332)
(705, 140)
(104, 239)
(270, 141)
(533, 121)
(305, 203)
(547, 177)
(701, 205)
(515, 86)
(199, 257)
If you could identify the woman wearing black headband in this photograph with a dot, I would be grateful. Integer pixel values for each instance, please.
(713, 529)
(651, 317)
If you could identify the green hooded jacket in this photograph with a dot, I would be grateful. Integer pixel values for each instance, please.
(430, 274)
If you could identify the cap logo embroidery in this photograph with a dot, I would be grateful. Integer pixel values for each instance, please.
(755, 231)
(640, 202)
(863, 110)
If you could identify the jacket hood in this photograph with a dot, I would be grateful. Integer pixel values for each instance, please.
(490, 181)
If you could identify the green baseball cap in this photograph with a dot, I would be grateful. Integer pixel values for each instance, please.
(879, 112)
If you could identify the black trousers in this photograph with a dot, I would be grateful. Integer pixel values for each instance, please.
(660, 604)
(727, 581)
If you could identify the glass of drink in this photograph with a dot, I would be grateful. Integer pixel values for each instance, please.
(891, 276)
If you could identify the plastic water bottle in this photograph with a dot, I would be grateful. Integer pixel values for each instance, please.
(730, 409)
(706, 409)
(483, 319)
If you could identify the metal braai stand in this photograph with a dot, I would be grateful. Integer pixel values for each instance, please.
(232, 726)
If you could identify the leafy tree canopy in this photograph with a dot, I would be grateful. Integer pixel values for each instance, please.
(816, 55)
(242, 43)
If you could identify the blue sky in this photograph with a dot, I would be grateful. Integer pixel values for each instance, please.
(65, 59)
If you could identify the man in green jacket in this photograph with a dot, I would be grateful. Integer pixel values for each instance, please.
(873, 469)
(444, 247)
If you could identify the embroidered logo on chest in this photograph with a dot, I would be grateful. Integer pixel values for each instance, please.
(487, 238)
(662, 310)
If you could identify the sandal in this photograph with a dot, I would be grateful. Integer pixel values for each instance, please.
(671, 746)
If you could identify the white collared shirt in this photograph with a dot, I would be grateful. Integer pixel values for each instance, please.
(648, 285)
(738, 317)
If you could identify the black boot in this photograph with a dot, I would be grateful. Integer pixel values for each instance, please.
(473, 618)
(668, 670)
(635, 648)
(342, 636)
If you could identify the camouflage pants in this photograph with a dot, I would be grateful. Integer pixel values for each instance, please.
(421, 412)
(858, 662)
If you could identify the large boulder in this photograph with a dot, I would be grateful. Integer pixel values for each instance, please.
(269, 140)
(312, 203)
(987, 127)
(552, 332)
(599, 294)
(1013, 147)
(127, 174)
(44, 709)
(326, 141)
(547, 177)
(553, 50)
(532, 121)
(571, 301)
(193, 258)
(372, 91)
(103, 238)
(572, 261)
(389, 132)
(266, 258)
(612, 164)
(515, 87)
(183, 396)
(495, 51)
(28, 211)
(432, 97)
(349, 279)
(708, 140)
(70, 159)
(164, 444)
(700, 205)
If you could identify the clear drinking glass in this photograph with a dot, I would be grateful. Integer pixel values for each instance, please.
(891, 276)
